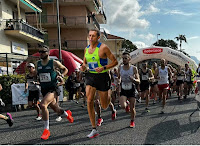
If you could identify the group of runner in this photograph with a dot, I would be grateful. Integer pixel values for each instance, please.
(103, 84)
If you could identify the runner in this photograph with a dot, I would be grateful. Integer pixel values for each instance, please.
(98, 109)
(154, 84)
(162, 73)
(96, 56)
(33, 89)
(129, 76)
(188, 81)
(48, 81)
(180, 75)
(146, 76)
(8, 117)
(114, 85)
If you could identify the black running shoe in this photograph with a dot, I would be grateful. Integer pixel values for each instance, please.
(9, 120)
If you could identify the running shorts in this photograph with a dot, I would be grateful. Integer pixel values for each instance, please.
(44, 91)
(163, 86)
(100, 81)
(179, 82)
(144, 85)
(34, 95)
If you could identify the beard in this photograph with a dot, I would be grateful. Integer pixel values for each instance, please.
(125, 63)
(44, 57)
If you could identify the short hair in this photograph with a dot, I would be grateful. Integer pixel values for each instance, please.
(126, 53)
(98, 32)
(46, 47)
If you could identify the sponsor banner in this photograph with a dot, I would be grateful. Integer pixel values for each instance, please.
(153, 51)
(19, 97)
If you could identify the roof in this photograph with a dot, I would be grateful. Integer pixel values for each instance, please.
(110, 36)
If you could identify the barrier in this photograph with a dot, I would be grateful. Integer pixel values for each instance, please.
(19, 97)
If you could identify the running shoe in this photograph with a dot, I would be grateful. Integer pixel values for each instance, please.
(93, 134)
(9, 120)
(162, 111)
(59, 118)
(154, 101)
(69, 117)
(147, 110)
(99, 122)
(132, 124)
(45, 134)
(38, 118)
(114, 114)
(127, 108)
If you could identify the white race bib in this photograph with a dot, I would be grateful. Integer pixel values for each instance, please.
(126, 86)
(45, 77)
(180, 77)
(145, 77)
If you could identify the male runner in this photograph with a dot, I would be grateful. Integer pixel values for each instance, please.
(188, 81)
(145, 77)
(96, 56)
(180, 75)
(48, 81)
(162, 73)
(129, 76)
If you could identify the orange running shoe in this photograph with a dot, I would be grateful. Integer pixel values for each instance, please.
(45, 134)
(69, 117)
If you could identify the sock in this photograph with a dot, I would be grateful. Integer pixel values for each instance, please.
(5, 118)
(46, 124)
(65, 113)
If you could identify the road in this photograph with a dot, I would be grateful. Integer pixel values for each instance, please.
(174, 127)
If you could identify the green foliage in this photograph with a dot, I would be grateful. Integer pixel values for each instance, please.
(166, 43)
(6, 81)
(129, 46)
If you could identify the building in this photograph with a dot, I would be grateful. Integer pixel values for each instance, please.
(15, 32)
(76, 18)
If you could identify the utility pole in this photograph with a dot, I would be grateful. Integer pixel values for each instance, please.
(58, 24)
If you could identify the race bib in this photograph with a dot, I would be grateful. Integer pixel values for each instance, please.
(145, 77)
(180, 77)
(45, 77)
(126, 86)
(113, 87)
(92, 65)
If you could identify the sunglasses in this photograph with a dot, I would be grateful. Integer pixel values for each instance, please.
(42, 51)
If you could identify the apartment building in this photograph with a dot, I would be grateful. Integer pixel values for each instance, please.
(76, 18)
(15, 32)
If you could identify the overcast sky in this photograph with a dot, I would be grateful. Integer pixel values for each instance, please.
(141, 20)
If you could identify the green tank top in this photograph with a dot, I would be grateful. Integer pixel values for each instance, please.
(47, 75)
(94, 61)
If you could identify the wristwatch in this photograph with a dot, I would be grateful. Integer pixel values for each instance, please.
(104, 67)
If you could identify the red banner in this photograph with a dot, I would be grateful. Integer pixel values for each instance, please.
(153, 51)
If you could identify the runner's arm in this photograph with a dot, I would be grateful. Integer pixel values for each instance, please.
(136, 75)
(57, 64)
(83, 65)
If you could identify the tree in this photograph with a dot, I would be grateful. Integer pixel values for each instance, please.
(181, 38)
(166, 43)
(129, 46)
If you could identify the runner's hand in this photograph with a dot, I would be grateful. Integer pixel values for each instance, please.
(99, 69)
(132, 78)
(83, 68)
(2, 103)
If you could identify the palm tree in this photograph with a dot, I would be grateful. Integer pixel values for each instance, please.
(181, 38)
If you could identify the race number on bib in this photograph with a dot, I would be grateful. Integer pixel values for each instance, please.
(45, 77)
(145, 77)
(126, 86)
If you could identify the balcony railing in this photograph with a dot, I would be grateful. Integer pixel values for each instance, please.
(46, 19)
(65, 44)
(97, 3)
(18, 24)
(96, 22)
(38, 3)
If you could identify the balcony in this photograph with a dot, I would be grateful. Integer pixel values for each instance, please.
(47, 20)
(101, 17)
(65, 44)
(21, 30)
(29, 5)
(92, 5)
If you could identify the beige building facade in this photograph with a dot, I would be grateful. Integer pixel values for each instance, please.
(15, 32)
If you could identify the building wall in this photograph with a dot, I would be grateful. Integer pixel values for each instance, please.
(5, 41)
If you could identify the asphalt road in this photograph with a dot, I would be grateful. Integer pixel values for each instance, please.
(174, 127)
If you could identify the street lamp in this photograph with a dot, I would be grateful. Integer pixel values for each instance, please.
(157, 37)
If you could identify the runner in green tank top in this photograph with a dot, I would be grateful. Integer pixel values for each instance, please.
(96, 56)
(48, 80)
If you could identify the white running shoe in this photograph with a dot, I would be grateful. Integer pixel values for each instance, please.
(38, 118)
(59, 118)
(93, 134)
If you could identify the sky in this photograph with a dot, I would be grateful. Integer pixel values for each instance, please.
(140, 21)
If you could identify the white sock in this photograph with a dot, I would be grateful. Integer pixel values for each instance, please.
(65, 113)
(46, 124)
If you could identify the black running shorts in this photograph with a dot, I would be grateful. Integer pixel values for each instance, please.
(44, 91)
(179, 82)
(34, 95)
(144, 85)
(100, 81)
(128, 93)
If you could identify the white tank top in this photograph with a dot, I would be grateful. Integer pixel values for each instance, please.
(127, 83)
(188, 76)
(163, 74)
